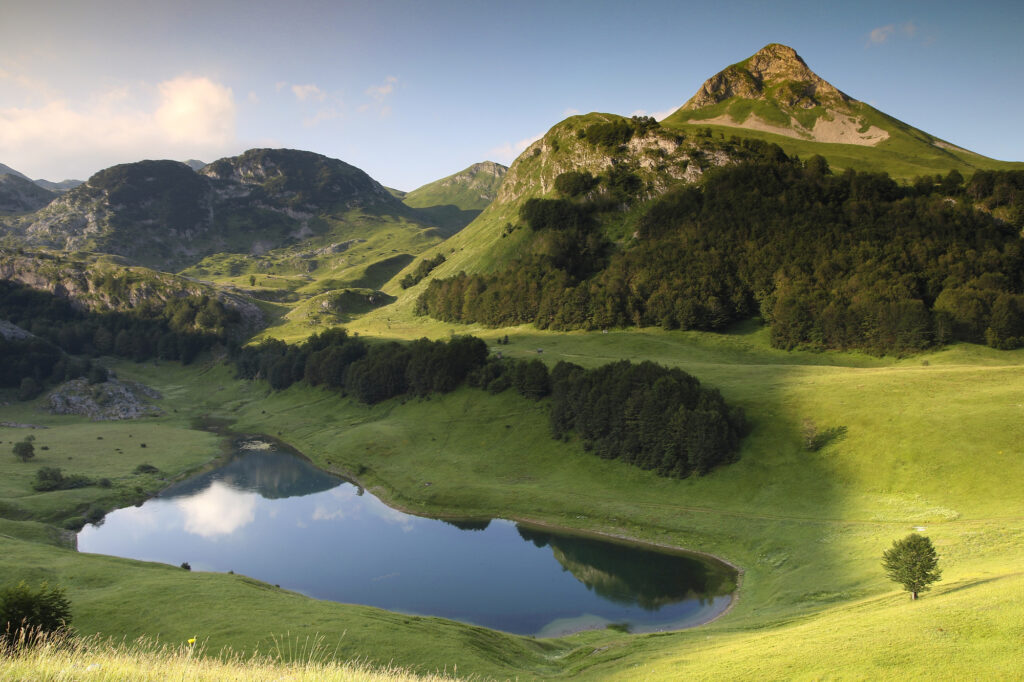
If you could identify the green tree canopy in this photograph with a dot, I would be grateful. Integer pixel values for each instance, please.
(913, 563)
(24, 450)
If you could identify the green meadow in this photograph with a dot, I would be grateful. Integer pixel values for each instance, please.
(931, 441)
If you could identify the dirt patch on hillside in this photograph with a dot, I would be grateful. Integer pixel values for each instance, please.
(841, 129)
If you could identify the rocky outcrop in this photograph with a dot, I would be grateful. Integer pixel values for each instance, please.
(794, 101)
(772, 64)
(108, 401)
(100, 286)
(661, 158)
(13, 332)
(165, 215)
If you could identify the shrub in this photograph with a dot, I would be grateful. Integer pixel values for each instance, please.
(45, 609)
(52, 478)
(24, 450)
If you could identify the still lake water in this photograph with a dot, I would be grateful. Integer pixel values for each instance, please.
(273, 516)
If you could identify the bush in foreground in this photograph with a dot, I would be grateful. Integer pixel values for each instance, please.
(43, 610)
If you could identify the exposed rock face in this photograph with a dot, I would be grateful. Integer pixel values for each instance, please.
(299, 180)
(82, 282)
(662, 159)
(771, 64)
(166, 215)
(797, 102)
(108, 401)
(13, 332)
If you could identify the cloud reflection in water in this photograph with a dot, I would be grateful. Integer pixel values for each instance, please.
(218, 510)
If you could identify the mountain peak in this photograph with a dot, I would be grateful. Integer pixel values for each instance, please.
(775, 71)
(774, 91)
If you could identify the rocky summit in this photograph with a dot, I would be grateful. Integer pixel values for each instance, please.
(775, 91)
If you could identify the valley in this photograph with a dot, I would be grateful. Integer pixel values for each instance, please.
(858, 430)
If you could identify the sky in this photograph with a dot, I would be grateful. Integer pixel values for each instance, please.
(417, 90)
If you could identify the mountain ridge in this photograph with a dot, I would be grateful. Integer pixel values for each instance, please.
(164, 214)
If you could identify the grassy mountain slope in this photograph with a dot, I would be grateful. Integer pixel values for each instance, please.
(453, 202)
(774, 96)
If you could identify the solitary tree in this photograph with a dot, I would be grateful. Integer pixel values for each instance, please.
(913, 563)
(24, 450)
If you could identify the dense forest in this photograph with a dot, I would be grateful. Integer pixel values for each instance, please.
(646, 415)
(848, 260)
(62, 337)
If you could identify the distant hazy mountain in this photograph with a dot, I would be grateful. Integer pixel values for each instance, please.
(59, 187)
(194, 164)
(10, 171)
(165, 215)
(453, 202)
(18, 194)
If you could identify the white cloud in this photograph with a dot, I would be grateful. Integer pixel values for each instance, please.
(308, 91)
(883, 34)
(185, 117)
(570, 112)
(196, 110)
(507, 152)
(218, 510)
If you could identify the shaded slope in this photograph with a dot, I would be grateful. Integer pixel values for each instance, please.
(165, 215)
(453, 202)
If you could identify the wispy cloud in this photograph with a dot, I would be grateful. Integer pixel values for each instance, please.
(183, 117)
(884, 34)
(381, 94)
(570, 112)
(508, 151)
(309, 92)
(321, 115)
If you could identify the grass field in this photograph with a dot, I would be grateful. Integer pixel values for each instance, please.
(931, 441)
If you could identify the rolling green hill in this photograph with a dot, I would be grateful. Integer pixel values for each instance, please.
(453, 202)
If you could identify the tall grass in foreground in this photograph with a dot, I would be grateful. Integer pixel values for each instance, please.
(42, 657)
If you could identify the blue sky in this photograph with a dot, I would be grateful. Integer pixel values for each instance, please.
(413, 91)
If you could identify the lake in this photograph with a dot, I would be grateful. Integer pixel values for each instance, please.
(271, 515)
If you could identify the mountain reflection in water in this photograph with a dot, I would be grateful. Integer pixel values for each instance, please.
(633, 575)
(273, 516)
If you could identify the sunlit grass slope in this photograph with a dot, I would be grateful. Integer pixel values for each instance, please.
(930, 442)
(56, 658)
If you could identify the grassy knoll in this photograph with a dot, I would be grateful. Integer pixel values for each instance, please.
(930, 441)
